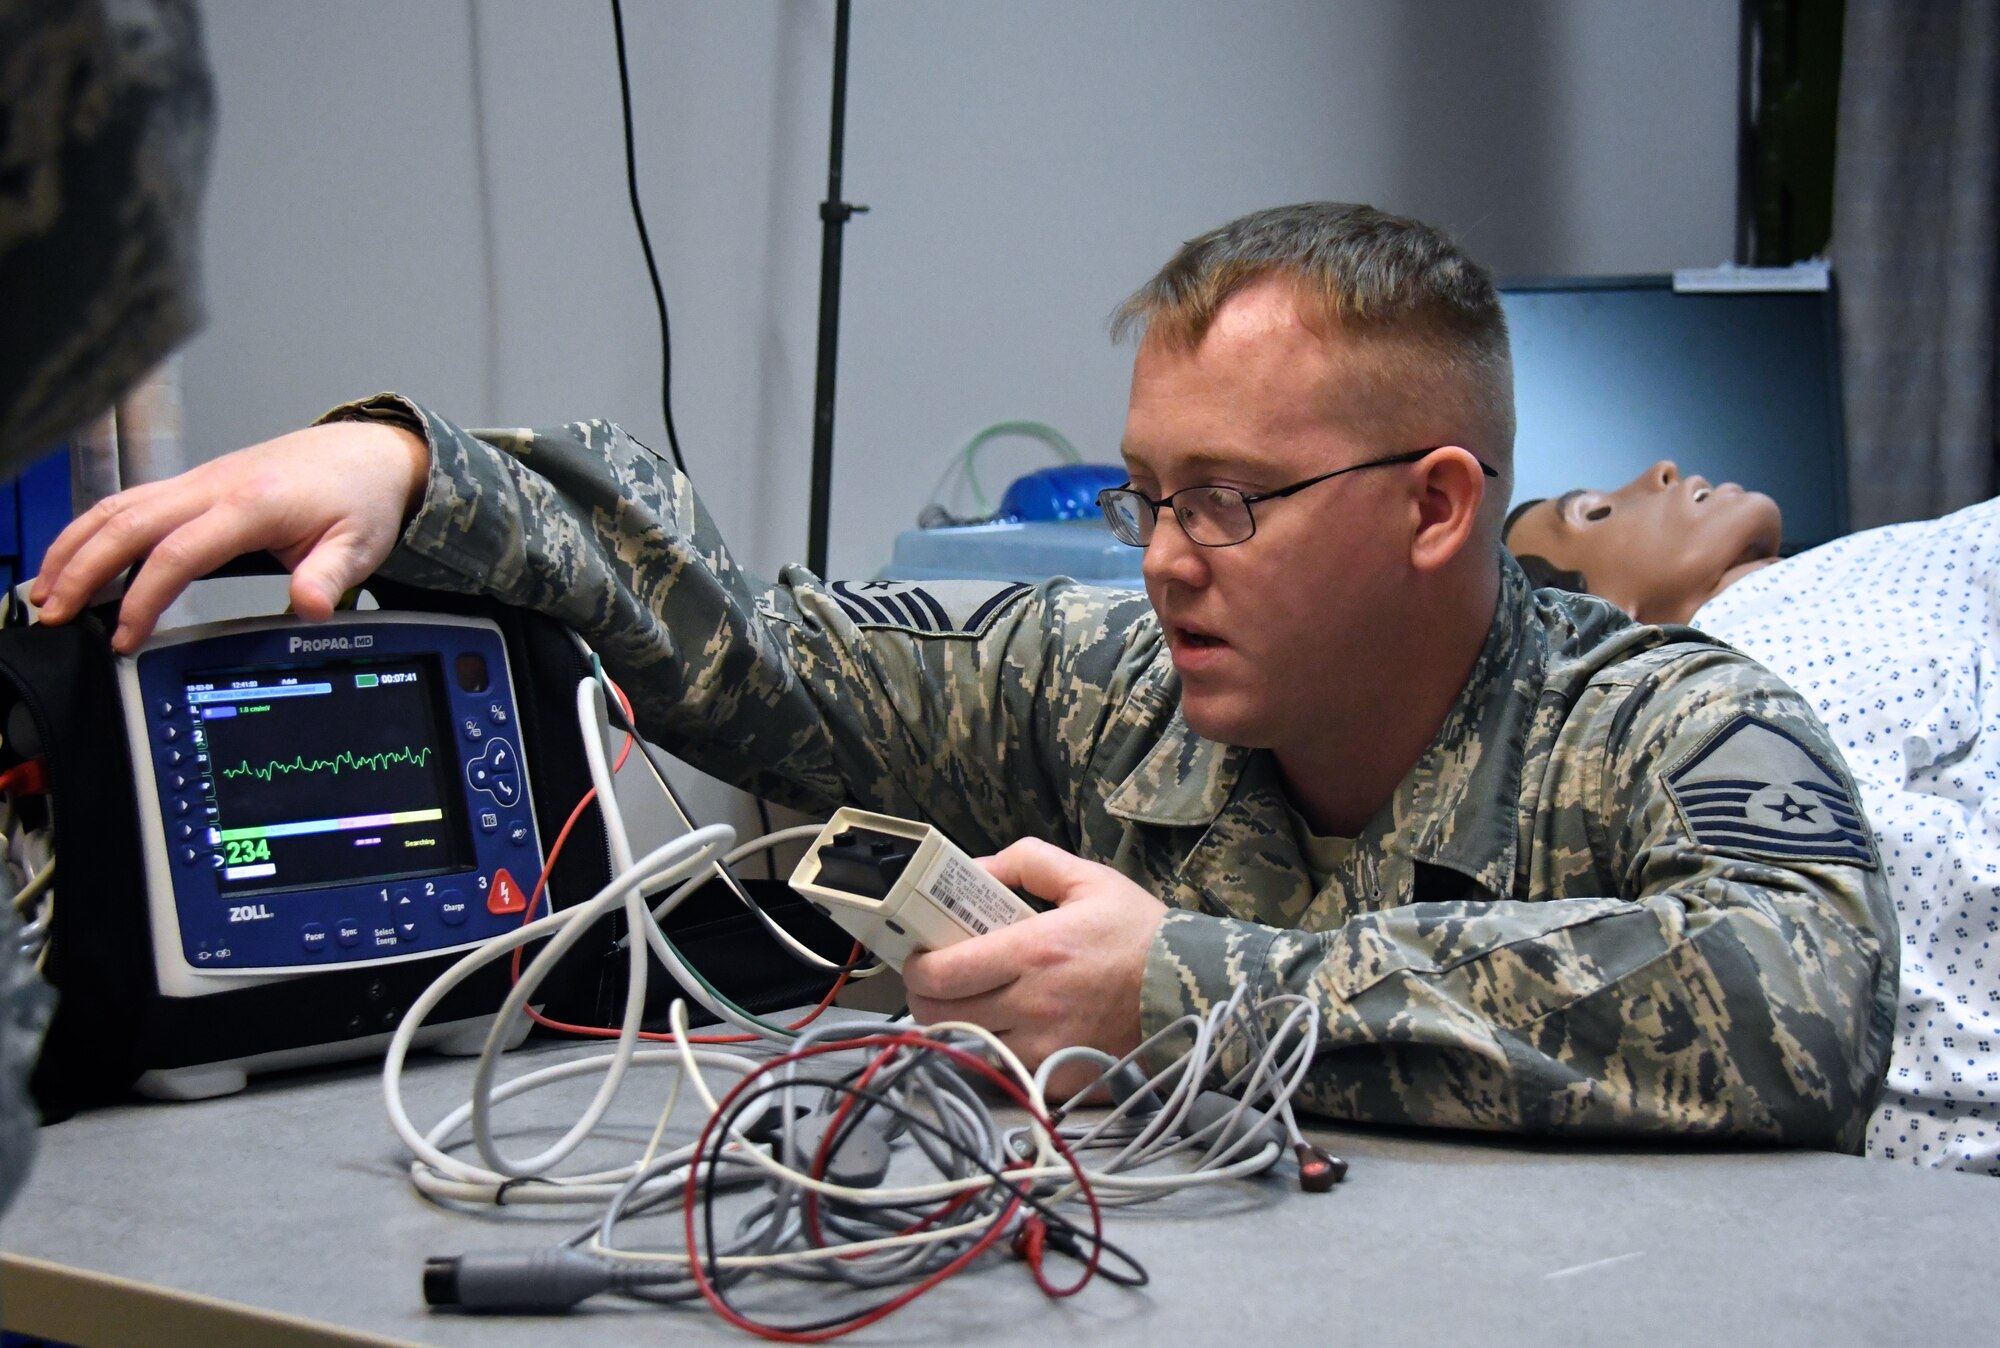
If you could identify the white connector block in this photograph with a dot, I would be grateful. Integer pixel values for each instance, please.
(898, 886)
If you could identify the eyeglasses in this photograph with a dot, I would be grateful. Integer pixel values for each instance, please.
(1217, 517)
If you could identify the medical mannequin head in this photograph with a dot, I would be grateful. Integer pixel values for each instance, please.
(1659, 547)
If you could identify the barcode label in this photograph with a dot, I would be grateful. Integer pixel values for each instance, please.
(968, 894)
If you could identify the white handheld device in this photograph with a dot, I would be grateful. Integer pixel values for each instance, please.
(898, 886)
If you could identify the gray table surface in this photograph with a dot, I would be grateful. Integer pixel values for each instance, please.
(294, 1197)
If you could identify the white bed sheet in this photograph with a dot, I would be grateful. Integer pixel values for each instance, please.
(1893, 635)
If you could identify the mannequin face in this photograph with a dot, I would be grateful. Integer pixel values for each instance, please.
(1658, 547)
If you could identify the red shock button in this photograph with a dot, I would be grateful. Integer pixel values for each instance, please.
(503, 895)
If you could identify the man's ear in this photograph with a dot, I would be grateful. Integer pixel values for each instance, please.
(1450, 488)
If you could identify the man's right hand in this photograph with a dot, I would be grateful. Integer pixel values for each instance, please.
(329, 502)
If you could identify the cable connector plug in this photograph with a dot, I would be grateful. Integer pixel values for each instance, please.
(1319, 1169)
(1030, 1239)
(1206, 1114)
(1035, 1237)
(539, 1280)
(1128, 1080)
(772, 1123)
(26, 779)
(858, 1158)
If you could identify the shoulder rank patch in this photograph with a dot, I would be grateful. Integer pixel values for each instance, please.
(1754, 789)
(931, 608)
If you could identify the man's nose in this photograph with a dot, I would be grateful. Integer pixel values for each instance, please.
(1171, 555)
(1662, 474)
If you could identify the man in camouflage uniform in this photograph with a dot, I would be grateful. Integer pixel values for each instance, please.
(1542, 869)
(104, 120)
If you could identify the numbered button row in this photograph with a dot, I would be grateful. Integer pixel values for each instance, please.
(402, 916)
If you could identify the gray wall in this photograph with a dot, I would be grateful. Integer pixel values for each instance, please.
(1028, 163)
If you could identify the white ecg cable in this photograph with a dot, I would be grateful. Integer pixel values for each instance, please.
(564, 927)
(681, 864)
(720, 869)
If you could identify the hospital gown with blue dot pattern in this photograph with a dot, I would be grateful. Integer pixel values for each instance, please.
(1893, 635)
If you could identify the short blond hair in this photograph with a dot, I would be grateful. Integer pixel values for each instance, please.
(1428, 315)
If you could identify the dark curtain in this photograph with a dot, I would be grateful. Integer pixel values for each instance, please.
(1914, 245)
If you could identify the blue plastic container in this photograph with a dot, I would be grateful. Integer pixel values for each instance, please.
(1033, 551)
(1066, 492)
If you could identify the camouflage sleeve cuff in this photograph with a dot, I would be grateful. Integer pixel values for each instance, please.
(438, 548)
(1198, 960)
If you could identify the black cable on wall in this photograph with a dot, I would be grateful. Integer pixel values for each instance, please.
(646, 242)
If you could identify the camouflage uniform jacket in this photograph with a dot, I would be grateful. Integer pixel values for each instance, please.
(104, 133)
(1568, 918)
(104, 121)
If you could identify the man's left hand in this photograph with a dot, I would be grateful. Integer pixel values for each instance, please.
(1071, 976)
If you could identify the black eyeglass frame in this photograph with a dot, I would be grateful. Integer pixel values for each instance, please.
(1105, 497)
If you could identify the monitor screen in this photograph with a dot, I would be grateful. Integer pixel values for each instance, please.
(327, 774)
(1611, 376)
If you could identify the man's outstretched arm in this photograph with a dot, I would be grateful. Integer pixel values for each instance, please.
(973, 720)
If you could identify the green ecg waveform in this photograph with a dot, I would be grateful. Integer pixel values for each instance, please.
(343, 761)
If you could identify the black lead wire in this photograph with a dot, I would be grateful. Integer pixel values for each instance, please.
(660, 305)
(646, 242)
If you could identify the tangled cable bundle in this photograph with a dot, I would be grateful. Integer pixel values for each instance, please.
(815, 1152)
(868, 1159)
